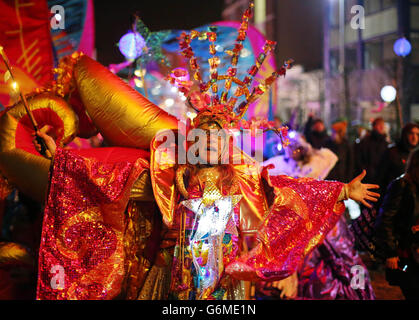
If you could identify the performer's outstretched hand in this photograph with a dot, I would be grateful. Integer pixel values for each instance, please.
(359, 191)
(49, 141)
(288, 286)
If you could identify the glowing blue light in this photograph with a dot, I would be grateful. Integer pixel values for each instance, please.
(279, 146)
(402, 47)
(131, 45)
(291, 134)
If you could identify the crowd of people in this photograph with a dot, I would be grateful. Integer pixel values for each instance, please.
(394, 219)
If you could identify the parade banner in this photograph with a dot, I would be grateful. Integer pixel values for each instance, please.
(26, 39)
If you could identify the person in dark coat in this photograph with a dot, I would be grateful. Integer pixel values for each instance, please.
(397, 229)
(394, 161)
(315, 133)
(370, 150)
(339, 144)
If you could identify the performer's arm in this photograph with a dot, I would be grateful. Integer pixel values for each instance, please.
(358, 191)
(303, 212)
(49, 141)
(355, 190)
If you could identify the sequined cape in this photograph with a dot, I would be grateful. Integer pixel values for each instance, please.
(87, 240)
(303, 212)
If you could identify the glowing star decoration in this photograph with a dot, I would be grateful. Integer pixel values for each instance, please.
(152, 50)
(402, 47)
(388, 93)
(212, 213)
(131, 45)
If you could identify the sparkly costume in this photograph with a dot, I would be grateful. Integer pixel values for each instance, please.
(89, 229)
(326, 272)
(302, 212)
(197, 266)
(103, 237)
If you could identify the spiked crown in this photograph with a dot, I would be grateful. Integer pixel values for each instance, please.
(218, 105)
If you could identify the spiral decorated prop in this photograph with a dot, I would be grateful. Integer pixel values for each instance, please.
(20, 163)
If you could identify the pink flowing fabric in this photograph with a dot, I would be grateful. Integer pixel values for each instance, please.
(304, 211)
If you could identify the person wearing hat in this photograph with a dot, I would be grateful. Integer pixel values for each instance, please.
(315, 132)
(397, 229)
(370, 150)
(340, 145)
(394, 160)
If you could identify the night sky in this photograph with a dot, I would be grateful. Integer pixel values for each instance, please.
(113, 19)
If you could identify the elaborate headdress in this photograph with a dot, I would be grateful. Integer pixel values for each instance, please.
(218, 105)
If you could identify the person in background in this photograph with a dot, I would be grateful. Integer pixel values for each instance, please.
(370, 150)
(315, 132)
(394, 161)
(339, 144)
(301, 160)
(397, 229)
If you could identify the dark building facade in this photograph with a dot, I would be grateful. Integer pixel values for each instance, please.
(359, 59)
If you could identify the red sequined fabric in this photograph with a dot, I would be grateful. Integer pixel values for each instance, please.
(304, 211)
(82, 247)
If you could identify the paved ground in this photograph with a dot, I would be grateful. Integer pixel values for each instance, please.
(382, 290)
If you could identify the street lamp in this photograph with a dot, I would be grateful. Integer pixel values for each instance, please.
(388, 94)
(402, 47)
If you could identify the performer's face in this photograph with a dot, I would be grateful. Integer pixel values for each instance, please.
(296, 151)
(216, 142)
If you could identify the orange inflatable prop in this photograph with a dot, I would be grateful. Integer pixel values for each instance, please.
(20, 163)
(122, 115)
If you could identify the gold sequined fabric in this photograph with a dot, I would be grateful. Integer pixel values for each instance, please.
(88, 236)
